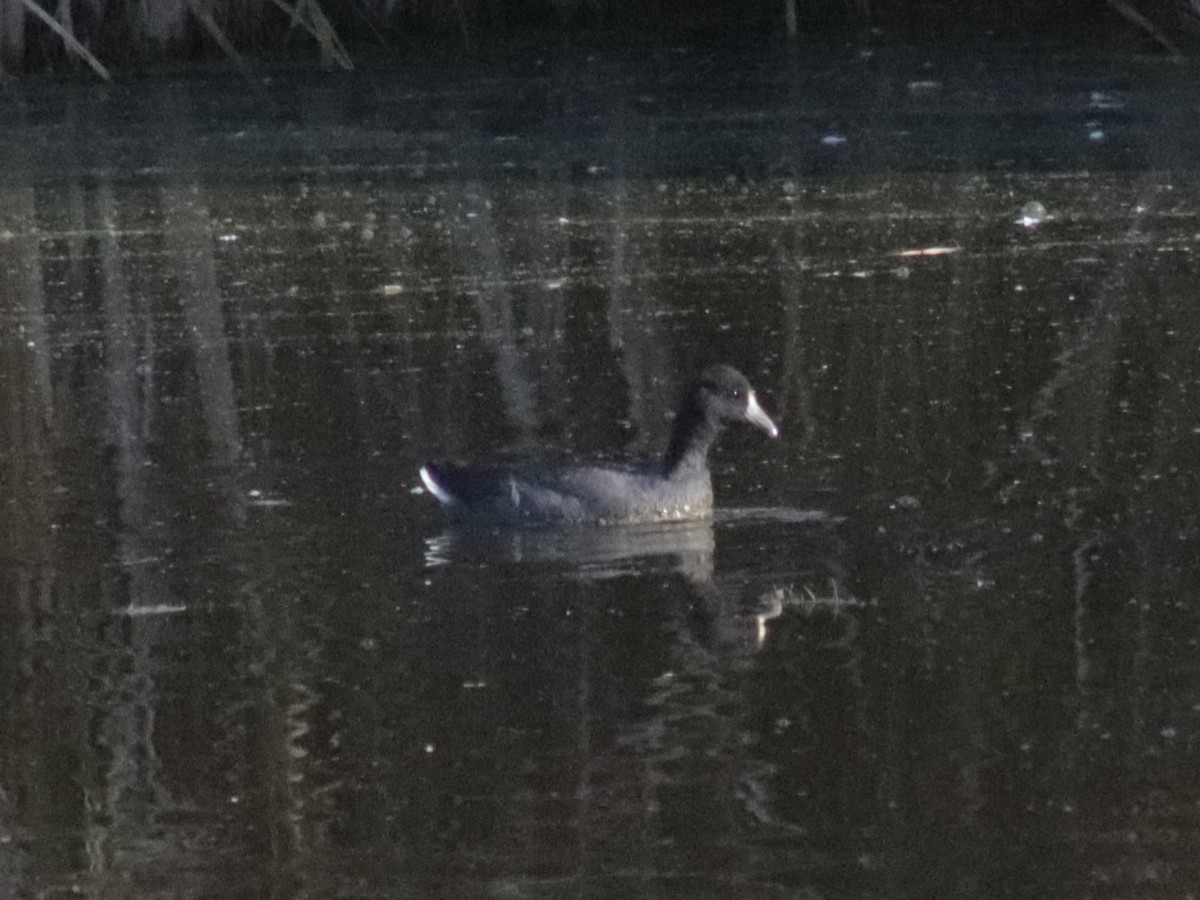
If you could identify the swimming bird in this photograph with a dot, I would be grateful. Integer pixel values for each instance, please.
(677, 489)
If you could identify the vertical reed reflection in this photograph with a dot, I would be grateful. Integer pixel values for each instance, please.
(29, 686)
(634, 310)
(25, 354)
(128, 793)
(480, 259)
(188, 229)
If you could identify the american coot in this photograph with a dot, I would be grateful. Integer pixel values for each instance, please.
(679, 488)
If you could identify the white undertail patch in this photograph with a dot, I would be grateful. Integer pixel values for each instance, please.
(434, 488)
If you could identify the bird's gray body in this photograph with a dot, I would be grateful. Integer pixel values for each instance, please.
(577, 495)
(678, 489)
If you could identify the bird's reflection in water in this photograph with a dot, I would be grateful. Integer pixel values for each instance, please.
(719, 613)
(588, 553)
(683, 547)
(691, 688)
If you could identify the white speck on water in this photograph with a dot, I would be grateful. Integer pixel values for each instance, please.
(153, 609)
(1101, 100)
(939, 250)
(833, 140)
(1096, 135)
(1031, 215)
(259, 498)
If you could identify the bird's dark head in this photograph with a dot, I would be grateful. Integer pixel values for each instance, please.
(724, 393)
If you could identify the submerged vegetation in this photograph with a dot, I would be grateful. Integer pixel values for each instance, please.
(40, 34)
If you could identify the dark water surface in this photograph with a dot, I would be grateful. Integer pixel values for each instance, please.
(940, 641)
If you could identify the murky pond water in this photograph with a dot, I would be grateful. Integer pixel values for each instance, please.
(939, 641)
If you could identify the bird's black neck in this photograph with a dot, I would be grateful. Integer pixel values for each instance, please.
(691, 438)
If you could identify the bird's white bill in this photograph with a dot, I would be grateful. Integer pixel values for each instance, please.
(756, 416)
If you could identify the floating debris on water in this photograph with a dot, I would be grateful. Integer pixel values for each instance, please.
(1031, 215)
(258, 498)
(937, 250)
(1102, 100)
(153, 609)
